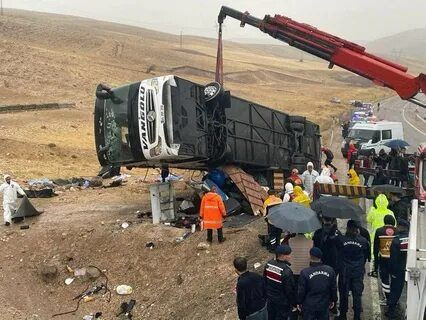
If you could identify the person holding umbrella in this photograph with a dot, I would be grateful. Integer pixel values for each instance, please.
(354, 251)
(280, 287)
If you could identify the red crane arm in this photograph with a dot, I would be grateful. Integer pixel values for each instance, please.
(337, 51)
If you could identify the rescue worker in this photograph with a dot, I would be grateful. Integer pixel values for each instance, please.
(352, 155)
(280, 287)
(381, 250)
(288, 194)
(325, 176)
(295, 177)
(317, 292)
(274, 233)
(398, 262)
(329, 157)
(251, 293)
(10, 190)
(301, 197)
(212, 212)
(377, 214)
(271, 200)
(353, 178)
(309, 177)
(400, 206)
(354, 252)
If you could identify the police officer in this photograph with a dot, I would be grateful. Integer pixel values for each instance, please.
(398, 261)
(381, 250)
(317, 290)
(280, 287)
(354, 252)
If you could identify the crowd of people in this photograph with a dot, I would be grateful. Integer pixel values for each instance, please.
(313, 275)
(396, 160)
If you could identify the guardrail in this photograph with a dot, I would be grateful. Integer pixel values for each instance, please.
(416, 267)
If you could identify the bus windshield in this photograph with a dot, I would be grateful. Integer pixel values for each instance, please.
(117, 126)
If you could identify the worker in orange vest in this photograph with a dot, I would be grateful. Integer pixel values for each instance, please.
(212, 212)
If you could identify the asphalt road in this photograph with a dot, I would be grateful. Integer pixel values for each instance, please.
(395, 109)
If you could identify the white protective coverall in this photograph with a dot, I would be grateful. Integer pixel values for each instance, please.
(288, 192)
(325, 176)
(10, 195)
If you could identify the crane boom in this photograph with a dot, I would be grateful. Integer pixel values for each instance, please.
(337, 51)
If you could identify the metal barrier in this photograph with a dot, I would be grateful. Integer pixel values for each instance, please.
(416, 267)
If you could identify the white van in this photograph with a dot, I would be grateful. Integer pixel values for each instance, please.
(375, 134)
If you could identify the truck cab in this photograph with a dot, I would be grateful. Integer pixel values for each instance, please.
(373, 135)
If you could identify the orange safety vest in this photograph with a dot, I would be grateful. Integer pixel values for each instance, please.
(212, 211)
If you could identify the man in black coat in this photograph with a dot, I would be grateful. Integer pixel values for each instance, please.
(317, 290)
(398, 263)
(379, 177)
(400, 206)
(251, 293)
(280, 285)
(353, 252)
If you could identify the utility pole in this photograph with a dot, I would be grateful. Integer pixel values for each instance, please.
(1, 7)
(181, 39)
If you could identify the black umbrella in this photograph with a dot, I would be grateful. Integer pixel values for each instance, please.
(337, 207)
(396, 144)
(387, 188)
(293, 217)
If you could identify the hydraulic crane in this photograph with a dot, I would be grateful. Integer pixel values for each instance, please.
(336, 51)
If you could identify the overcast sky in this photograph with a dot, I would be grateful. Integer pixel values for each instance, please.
(356, 20)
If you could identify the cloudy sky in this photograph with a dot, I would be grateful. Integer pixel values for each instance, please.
(359, 20)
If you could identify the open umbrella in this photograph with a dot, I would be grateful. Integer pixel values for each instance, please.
(387, 188)
(293, 217)
(337, 207)
(396, 144)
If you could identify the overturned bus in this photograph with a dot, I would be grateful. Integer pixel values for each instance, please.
(170, 121)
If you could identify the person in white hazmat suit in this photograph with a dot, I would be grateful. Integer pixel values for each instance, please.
(325, 176)
(10, 190)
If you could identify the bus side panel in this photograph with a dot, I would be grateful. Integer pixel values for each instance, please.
(257, 135)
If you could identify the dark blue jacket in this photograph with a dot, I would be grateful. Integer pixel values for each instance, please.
(280, 285)
(317, 287)
(398, 253)
(251, 294)
(326, 240)
(354, 251)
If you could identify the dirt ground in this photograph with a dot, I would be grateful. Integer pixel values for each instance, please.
(52, 58)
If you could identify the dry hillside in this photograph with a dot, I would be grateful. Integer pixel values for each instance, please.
(55, 58)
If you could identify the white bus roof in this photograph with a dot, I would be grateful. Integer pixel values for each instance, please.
(376, 125)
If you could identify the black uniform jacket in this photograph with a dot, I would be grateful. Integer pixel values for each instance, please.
(280, 285)
(317, 287)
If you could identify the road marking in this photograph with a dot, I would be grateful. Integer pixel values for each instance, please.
(420, 118)
(408, 122)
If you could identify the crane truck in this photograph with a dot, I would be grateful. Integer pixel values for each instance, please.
(175, 122)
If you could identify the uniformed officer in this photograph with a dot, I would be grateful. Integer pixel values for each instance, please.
(381, 249)
(280, 287)
(398, 262)
(317, 292)
(354, 252)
